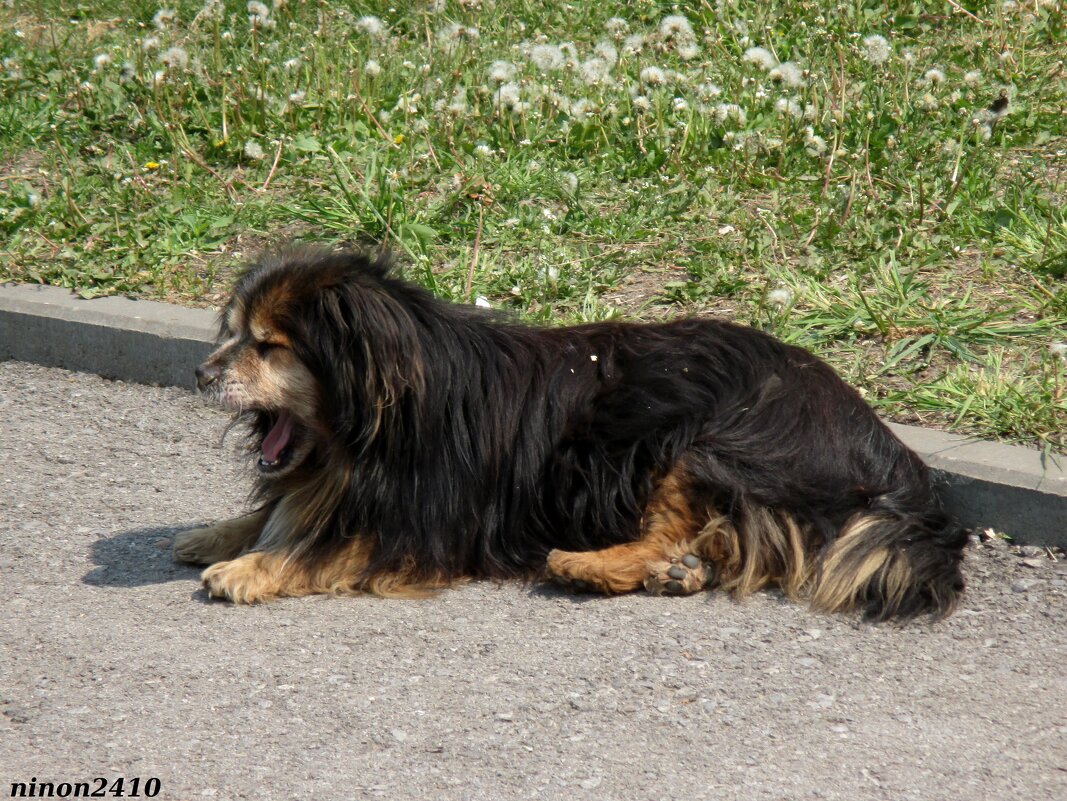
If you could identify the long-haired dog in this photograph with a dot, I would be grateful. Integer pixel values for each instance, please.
(404, 443)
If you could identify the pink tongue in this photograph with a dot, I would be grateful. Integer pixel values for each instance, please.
(278, 437)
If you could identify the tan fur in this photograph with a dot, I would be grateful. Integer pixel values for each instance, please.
(842, 578)
(669, 520)
(771, 550)
(220, 541)
(265, 575)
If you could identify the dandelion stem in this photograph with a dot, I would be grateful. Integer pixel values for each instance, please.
(477, 249)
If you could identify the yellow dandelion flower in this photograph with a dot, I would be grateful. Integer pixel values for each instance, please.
(398, 139)
(152, 165)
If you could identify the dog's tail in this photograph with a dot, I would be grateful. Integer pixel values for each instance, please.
(892, 565)
(885, 561)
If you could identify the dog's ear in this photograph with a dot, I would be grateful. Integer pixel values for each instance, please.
(372, 355)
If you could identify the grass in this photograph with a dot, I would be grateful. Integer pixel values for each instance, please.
(881, 183)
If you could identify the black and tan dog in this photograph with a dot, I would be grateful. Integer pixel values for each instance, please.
(405, 443)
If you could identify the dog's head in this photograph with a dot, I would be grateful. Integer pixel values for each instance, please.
(313, 347)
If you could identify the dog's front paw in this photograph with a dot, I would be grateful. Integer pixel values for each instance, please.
(245, 580)
(200, 546)
(679, 576)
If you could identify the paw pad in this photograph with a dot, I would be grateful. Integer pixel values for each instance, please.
(682, 576)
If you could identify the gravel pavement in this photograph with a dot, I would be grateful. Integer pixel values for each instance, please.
(114, 664)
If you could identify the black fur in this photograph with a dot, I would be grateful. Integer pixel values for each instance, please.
(475, 444)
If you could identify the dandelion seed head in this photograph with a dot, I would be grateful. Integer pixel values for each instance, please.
(780, 297)
(973, 78)
(372, 26)
(789, 106)
(595, 71)
(606, 50)
(787, 73)
(101, 60)
(164, 18)
(150, 43)
(175, 58)
(653, 76)
(212, 11)
(508, 97)
(1058, 349)
(547, 57)
(257, 9)
(569, 182)
(761, 57)
(641, 104)
(501, 71)
(688, 51)
(291, 64)
(483, 151)
(933, 77)
(617, 27)
(583, 109)
(814, 144)
(708, 90)
(633, 44)
(876, 49)
(372, 69)
(680, 104)
(297, 98)
(253, 151)
(677, 27)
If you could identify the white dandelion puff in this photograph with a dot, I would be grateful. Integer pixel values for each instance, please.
(595, 71)
(175, 58)
(677, 27)
(164, 18)
(607, 52)
(569, 182)
(933, 77)
(291, 64)
(508, 97)
(252, 150)
(641, 104)
(653, 76)
(617, 27)
(297, 98)
(813, 143)
(973, 78)
(1058, 349)
(633, 44)
(876, 49)
(688, 51)
(708, 90)
(372, 69)
(150, 43)
(788, 73)
(761, 57)
(789, 105)
(101, 60)
(372, 26)
(483, 302)
(501, 71)
(547, 57)
(483, 151)
(583, 109)
(780, 297)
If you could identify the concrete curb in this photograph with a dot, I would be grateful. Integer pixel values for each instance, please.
(985, 484)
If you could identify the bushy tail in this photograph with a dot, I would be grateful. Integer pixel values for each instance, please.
(892, 566)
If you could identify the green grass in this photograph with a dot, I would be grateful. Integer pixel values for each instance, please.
(875, 211)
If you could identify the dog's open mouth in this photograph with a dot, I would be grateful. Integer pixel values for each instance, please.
(278, 445)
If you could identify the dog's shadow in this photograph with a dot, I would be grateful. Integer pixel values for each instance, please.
(138, 558)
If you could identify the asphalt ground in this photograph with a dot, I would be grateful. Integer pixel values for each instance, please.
(113, 663)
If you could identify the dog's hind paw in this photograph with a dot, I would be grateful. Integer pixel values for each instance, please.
(682, 575)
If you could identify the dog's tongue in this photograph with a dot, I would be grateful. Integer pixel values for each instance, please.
(278, 437)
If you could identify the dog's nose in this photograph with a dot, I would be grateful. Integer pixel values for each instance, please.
(207, 374)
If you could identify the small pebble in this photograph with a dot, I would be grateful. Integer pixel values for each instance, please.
(1025, 585)
(1034, 562)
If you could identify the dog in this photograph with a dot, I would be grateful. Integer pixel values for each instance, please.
(403, 443)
